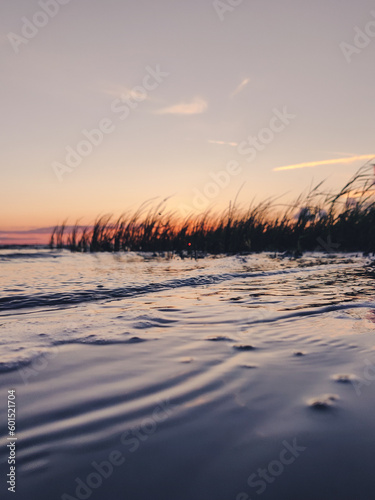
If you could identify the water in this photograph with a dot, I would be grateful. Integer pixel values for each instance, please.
(186, 378)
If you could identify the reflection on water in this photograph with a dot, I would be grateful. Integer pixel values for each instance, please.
(196, 373)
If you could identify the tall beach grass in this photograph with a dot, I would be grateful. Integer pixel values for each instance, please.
(343, 221)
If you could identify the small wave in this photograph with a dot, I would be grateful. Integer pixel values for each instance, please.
(26, 359)
(100, 341)
(29, 255)
(16, 302)
(145, 322)
(313, 312)
(33, 359)
(9, 366)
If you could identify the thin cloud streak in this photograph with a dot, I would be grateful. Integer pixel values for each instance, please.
(241, 86)
(122, 92)
(234, 144)
(195, 107)
(336, 161)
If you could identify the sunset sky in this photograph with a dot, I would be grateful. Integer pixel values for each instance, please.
(180, 88)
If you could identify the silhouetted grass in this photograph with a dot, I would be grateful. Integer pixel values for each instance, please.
(344, 221)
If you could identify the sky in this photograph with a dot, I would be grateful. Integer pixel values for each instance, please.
(107, 104)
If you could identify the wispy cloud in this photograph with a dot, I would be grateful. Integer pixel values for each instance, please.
(337, 161)
(234, 144)
(194, 107)
(241, 86)
(123, 92)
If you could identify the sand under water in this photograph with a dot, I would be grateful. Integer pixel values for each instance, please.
(229, 378)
